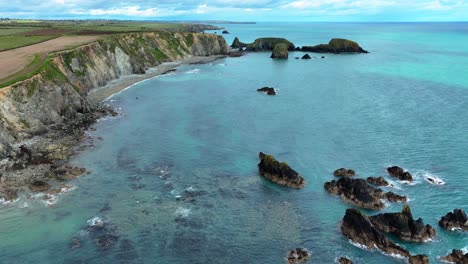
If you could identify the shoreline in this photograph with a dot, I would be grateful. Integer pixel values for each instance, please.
(116, 86)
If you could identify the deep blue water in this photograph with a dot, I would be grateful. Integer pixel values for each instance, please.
(405, 104)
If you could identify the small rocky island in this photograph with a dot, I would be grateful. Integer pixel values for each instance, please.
(280, 51)
(455, 220)
(342, 172)
(360, 193)
(267, 90)
(336, 46)
(279, 173)
(400, 173)
(263, 44)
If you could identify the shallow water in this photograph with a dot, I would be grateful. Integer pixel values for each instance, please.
(202, 127)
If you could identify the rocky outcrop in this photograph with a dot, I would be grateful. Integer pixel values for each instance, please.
(298, 255)
(336, 46)
(399, 173)
(456, 257)
(8, 195)
(267, 90)
(268, 44)
(237, 44)
(306, 57)
(39, 186)
(360, 193)
(419, 259)
(455, 220)
(359, 229)
(53, 108)
(342, 172)
(343, 260)
(225, 32)
(403, 225)
(377, 181)
(280, 51)
(279, 173)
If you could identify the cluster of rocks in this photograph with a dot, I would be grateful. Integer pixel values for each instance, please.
(279, 172)
(298, 255)
(455, 220)
(457, 257)
(103, 233)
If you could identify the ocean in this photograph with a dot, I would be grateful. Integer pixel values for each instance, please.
(175, 178)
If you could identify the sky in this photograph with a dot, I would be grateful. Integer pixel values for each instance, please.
(241, 10)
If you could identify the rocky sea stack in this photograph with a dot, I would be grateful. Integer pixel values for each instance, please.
(236, 44)
(280, 51)
(455, 220)
(279, 173)
(336, 46)
(360, 193)
(403, 225)
(399, 173)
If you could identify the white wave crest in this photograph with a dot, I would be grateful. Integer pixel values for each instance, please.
(194, 71)
(182, 212)
(95, 221)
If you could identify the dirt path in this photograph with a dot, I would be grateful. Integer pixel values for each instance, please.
(16, 60)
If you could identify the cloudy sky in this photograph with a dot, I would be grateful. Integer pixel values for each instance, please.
(241, 10)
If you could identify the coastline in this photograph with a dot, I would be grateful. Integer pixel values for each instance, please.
(103, 93)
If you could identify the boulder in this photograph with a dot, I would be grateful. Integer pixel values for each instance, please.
(455, 220)
(225, 32)
(343, 260)
(399, 173)
(456, 257)
(298, 255)
(342, 172)
(279, 173)
(359, 229)
(306, 57)
(359, 193)
(280, 51)
(39, 186)
(237, 44)
(267, 90)
(336, 46)
(377, 181)
(268, 44)
(419, 259)
(403, 225)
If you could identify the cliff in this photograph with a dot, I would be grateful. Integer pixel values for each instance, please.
(53, 104)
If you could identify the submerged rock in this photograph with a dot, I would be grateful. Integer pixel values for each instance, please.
(279, 173)
(336, 46)
(267, 90)
(359, 229)
(298, 255)
(403, 225)
(456, 257)
(454, 220)
(360, 193)
(280, 51)
(39, 186)
(377, 181)
(399, 173)
(343, 260)
(225, 32)
(342, 172)
(419, 259)
(306, 57)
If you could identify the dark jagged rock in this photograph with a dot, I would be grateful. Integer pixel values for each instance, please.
(39, 186)
(237, 44)
(456, 257)
(267, 90)
(457, 219)
(359, 193)
(280, 51)
(359, 229)
(106, 241)
(104, 233)
(279, 173)
(9, 195)
(343, 260)
(306, 57)
(225, 32)
(377, 181)
(342, 172)
(403, 225)
(399, 173)
(268, 44)
(336, 46)
(296, 58)
(419, 259)
(395, 198)
(323, 57)
(298, 255)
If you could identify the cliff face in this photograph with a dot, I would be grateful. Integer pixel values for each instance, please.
(56, 96)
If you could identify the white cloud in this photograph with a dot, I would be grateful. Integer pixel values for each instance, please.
(124, 11)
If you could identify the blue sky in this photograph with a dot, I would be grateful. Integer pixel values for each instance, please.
(240, 10)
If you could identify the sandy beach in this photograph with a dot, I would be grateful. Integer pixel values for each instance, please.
(102, 93)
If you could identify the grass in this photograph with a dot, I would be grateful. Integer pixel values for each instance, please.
(22, 77)
(16, 41)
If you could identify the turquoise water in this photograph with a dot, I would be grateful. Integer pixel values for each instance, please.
(202, 127)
